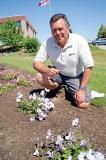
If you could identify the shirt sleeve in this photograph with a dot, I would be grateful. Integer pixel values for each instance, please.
(42, 53)
(85, 53)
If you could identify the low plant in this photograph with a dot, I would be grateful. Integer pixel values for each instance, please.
(6, 88)
(23, 81)
(37, 105)
(27, 106)
(9, 76)
(70, 146)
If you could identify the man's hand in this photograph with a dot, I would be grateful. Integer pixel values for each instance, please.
(80, 96)
(43, 69)
(52, 72)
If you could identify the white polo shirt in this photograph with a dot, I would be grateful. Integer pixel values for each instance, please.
(70, 60)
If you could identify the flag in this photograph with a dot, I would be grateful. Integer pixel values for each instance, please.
(43, 3)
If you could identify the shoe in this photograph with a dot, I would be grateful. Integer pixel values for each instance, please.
(52, 93)
(37, 91)
(48, 94)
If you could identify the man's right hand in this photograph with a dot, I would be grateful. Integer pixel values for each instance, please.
(52, 72)
(42, 68)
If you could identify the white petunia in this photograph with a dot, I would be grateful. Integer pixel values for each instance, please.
(99, 156)
(83, 143)
(69, 136)
(90, 155)
(46, 100)
(34, 96)
(59, 140)
(41, 115)
(42, 93)
(82, 156)
(49, 154)
(75, 122)
(70, 157)
(36, 153)
(30, 96)
(19, 95)
(49, 134)
(48, 106)
(51, 104)
(18, 100)
(32, 118)
(38, 110)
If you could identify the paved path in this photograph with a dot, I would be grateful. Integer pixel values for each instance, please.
(102, 47)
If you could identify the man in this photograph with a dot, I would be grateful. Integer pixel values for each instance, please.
(72, 59)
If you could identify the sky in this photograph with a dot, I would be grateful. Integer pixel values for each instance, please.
(85, 16)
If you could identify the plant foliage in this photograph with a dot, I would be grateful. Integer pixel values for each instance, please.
(31, 45)
(102, 32)
(11, 35)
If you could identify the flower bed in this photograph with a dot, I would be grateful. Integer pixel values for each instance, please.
(70, 146)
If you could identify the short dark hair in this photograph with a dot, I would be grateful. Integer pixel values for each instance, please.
(58, 16)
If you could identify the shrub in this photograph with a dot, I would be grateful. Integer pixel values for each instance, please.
(31, 45)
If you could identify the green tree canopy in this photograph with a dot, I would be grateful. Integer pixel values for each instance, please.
(102, 32)
(10, 34)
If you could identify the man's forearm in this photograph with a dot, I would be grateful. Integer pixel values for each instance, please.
(40, 67)
(86, 77)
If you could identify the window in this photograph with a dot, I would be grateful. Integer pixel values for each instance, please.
(18, 24)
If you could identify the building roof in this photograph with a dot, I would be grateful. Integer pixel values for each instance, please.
(17, 18)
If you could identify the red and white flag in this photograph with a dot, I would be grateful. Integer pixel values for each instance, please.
(43, 3)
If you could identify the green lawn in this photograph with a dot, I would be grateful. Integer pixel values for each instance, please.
(21, 62)
(98, 79)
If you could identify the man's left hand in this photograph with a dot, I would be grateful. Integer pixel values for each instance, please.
(80, 96)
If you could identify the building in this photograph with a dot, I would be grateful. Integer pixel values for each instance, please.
(23, 22)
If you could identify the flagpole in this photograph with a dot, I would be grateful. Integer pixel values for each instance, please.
(50, 8)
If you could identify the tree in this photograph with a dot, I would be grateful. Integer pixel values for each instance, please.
(102, 32)
(10, 34)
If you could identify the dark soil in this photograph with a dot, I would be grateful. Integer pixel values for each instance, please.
(18, 134)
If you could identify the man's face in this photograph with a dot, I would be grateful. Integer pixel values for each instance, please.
(60, 32)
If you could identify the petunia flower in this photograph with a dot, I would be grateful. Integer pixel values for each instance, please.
(42, 93)
(32, 118)
(82, 156)
(48, 106)
(99, 156)
(70, 157)
(75, 122)
(41, 115)
(59, 140)
(33, 97)
(36, 153)
(69, 137)
(49, 154)
(90, 155)
(18, 100)
(83, 143)
(49, 134)
(19, 95)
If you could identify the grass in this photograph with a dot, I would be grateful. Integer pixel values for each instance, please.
(98, 79)
(21, 62)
